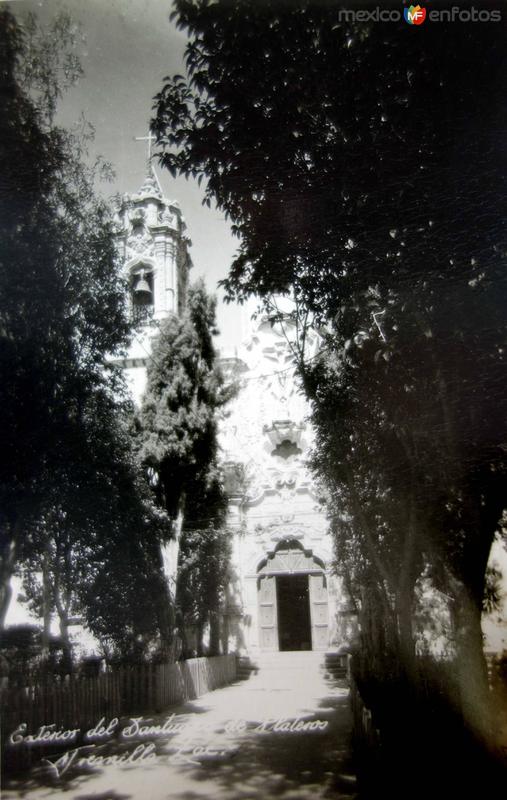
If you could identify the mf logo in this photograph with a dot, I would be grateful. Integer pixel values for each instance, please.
(415, 15)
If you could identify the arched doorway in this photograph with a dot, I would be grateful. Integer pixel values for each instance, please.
(292, 594)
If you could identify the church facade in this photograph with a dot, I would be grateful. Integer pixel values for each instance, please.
(283, 595)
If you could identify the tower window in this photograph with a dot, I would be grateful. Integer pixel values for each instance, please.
(142, 295)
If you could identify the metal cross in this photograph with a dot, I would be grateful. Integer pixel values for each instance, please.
(150, 138)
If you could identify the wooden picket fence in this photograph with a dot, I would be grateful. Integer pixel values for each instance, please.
(75, 702)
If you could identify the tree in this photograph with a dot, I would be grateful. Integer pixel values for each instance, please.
(94, 554)
(73, 505)
(177, 423)
(20, 653)
(380, 206)
(57, 236)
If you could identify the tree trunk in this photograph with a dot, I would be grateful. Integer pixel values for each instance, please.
(169, 556)
(404, 608)
(171, 551)
(214, 638)
(200, 634)
(185, 648)
(406, 585)
(5, 601)
(63, 620)
(166, 622)
(7, 564)
(166, 604)
(66, 643)
(472, 674)
(46, 606)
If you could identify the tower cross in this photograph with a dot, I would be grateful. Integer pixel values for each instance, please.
(150, 139)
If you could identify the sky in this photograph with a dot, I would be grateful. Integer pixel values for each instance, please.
(130, 47)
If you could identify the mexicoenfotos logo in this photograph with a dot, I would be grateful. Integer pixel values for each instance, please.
(414, 15)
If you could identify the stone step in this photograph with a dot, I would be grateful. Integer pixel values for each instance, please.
(285, 663)
(330, 665)
(336, 665)
(336, 662)
(287, 660)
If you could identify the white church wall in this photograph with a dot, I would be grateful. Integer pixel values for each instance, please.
(265, 441)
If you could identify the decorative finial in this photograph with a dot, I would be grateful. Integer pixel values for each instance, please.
(151, 184)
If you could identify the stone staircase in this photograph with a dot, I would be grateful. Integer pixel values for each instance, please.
(330, 664)
(336, 665)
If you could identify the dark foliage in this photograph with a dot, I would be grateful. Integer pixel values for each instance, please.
(203, 569)
(176, 432)
(72, 504)
(177, 424)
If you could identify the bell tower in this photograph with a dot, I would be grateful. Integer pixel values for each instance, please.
(154, 248)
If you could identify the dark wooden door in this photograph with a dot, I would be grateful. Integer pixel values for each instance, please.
(293, 606)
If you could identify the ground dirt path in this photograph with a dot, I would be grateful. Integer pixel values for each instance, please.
(283, 733)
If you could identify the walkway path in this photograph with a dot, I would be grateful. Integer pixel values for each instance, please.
(284, 733)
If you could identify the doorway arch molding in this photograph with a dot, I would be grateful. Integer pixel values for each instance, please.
(290, 557)
(263, 553)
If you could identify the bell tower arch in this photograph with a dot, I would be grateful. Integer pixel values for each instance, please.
(151, 231)
(154, 247)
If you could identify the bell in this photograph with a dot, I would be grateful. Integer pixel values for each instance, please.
(142, 291)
